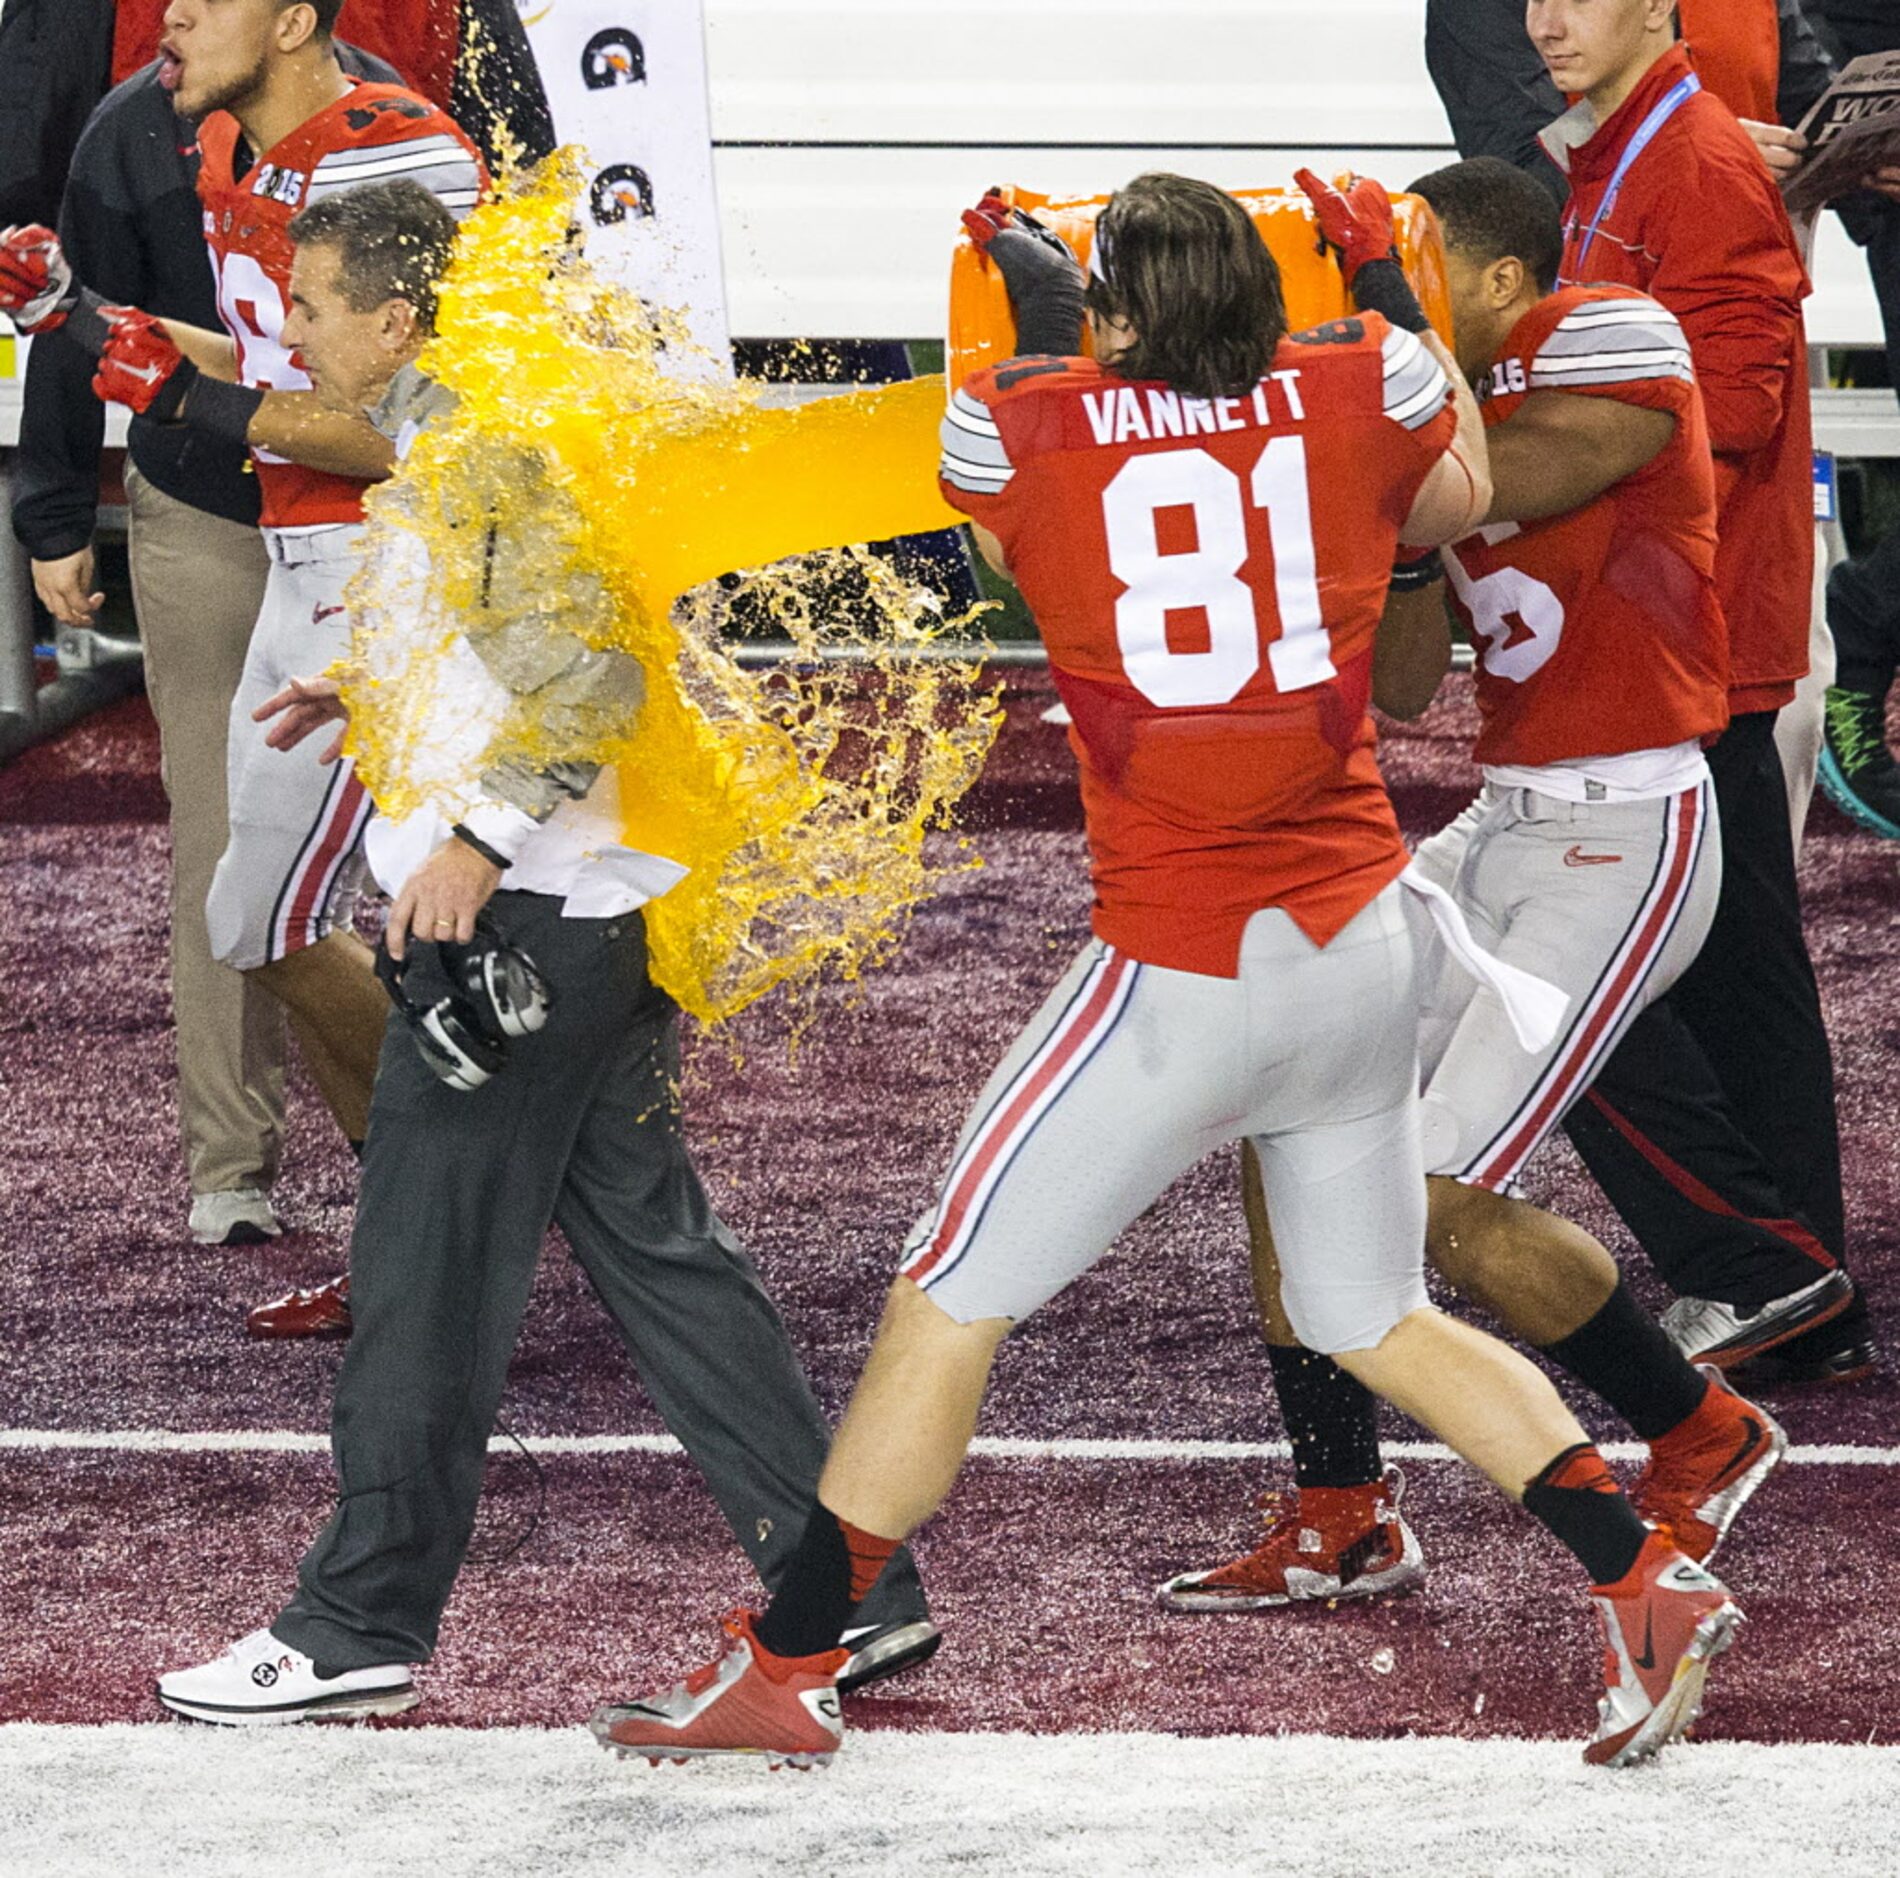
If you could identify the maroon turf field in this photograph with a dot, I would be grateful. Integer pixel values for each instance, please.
(120, 1563)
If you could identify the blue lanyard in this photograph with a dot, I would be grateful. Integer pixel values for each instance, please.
(1679, 95)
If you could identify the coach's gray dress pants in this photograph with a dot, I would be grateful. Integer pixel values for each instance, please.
(582, 1127)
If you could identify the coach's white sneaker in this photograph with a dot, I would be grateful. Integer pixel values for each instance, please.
(237, 1216)
(260, 1681)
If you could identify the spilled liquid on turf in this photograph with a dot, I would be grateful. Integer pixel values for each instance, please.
(566, 493)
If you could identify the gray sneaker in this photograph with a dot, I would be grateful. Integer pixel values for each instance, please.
(1706, 1330)
(880, 1650)
(238, 1216)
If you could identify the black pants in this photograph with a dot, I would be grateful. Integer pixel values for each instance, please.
(1492, 83)
(1863, 595)
(459, 1186)
(1712, 1127)
(1863, 613)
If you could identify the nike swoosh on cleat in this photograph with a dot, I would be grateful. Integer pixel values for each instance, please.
(1646, 1657)
(1753, 1434)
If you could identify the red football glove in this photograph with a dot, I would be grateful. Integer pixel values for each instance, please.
(1039, 268)
(36, 280)
(988, 219)
(140, 366)
(1358, 223)
(993, 216)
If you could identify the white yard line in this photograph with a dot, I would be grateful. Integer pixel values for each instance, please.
(988, 1447)
(318, 1802)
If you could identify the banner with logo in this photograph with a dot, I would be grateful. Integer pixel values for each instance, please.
(626, 80)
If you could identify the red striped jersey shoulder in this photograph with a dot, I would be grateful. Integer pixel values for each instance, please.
(373, 133)
(1594, 340)
(1365, 366)
(1000, 417)
(1036, 376)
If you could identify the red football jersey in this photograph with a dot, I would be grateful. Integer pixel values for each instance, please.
(1600, 631)
(1208, 576)
(372, 134)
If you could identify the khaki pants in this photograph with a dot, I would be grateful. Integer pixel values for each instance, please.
(198, 582)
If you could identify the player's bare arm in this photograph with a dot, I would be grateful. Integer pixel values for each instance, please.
(1412, 653)
(306, 428)
(1457, 494)
(1559, 451)
(990, 549)
(214, 354)
(182, 374)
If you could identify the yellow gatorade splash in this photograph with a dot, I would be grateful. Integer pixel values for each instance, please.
(580, 489)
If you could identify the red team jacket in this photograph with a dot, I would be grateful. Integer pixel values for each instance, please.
(1736, 45)
(1208, 577)
(1600, 631)
(373, 133)
(1699, 224)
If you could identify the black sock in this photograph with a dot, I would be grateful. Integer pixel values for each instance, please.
(813, 1603)
(1585, 1510)
(1331, 1418)
(1626, 1357)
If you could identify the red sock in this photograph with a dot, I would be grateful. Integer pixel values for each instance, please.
(869, 1554)
(1578, 1499)
(830, 1571)
(1579, 1470)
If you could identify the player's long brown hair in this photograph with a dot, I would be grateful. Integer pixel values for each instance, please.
(1183, 263)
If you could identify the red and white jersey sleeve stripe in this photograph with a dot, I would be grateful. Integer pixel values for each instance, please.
(1416, 388)
(1612, 342)
(440, 163)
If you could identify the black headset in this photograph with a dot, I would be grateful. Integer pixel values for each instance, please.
(466, 1002)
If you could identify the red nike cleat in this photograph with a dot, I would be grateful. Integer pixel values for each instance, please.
(1702, 1473)
(324, 1312)
(1663, 1624)
(1325, 1544)
(747, 1702)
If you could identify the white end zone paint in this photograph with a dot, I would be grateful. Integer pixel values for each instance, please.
(326, 1802)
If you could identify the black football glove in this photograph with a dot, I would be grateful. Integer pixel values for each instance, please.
(1044, 278)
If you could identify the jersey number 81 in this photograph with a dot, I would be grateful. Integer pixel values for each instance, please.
(1208, 578)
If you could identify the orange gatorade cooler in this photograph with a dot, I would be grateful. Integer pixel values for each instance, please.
(982, 331)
